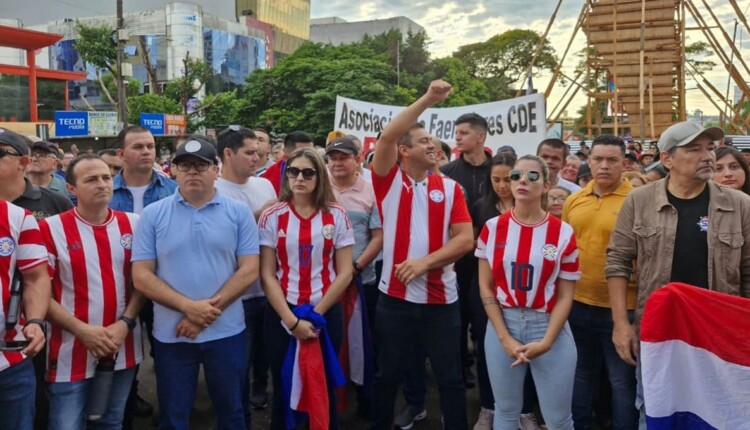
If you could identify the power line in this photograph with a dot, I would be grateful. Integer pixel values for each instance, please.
(81, 7)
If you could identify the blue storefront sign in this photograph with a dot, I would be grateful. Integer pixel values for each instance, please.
(68, 123)
(154, 122)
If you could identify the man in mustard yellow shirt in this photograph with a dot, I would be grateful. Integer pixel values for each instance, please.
(592, 212)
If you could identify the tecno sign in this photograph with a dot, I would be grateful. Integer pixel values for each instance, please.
(152, 123)
(71, 123)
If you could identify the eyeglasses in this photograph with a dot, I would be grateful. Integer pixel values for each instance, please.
(199, 166)
(293, 173)
(556, 199)
(531, 175)
(4, 152)
(42, 155)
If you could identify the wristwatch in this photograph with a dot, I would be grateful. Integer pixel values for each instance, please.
(41, 323)
(357, 267)
(129, 321)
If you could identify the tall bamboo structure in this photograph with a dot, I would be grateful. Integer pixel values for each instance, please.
(639, 46)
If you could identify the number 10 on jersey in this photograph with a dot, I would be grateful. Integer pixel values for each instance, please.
(522, 276)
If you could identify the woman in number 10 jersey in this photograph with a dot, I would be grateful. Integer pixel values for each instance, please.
(528, 265)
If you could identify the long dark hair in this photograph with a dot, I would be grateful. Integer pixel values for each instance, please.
(322, 195)
(490, 198)
(728, 150)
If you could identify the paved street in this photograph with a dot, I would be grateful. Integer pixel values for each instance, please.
(203, 416)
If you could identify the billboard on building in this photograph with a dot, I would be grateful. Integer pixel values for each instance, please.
(160, 124)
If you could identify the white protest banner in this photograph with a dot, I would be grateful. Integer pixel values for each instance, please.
(519, 122)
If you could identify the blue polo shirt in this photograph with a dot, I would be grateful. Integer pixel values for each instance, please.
(159, 188)
(196, 252)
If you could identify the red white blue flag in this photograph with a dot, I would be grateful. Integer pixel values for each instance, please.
(356, 354)
(309, 368)
(695, 358)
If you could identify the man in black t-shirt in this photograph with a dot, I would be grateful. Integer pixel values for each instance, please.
(683, 228)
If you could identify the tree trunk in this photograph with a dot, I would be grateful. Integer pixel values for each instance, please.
(146, 57)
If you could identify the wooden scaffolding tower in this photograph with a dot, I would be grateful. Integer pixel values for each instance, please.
(638, 46)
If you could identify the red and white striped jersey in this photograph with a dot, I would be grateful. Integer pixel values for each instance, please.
(416, 218)
(527, 260)
(91, 279)
(22, 247)
(305, 248)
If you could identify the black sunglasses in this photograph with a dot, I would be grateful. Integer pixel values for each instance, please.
(531, 175)
(293, 173)
(4, 152)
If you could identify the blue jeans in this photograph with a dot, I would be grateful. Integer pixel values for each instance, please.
(17, 391)
(435, 330)
(592, 330)
(277, 341)
(415, 377)
(257, 360)
(640, 404)
(478, 329)
(554, 371)
(68, 402)
(177, 367)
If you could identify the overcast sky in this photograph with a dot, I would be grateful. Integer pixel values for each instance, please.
(449, 24)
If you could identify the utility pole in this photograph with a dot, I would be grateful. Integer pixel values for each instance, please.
(121, 102)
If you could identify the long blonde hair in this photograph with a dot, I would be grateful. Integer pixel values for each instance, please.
(545, 173)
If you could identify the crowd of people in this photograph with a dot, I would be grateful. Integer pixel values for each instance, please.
(522, 274)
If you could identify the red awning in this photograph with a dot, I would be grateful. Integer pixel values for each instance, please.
(62, 75)
(21, 38)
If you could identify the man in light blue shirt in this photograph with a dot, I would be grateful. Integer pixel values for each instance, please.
(194, 255)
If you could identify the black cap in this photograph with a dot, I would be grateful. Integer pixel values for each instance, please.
(342, 144)
(14, 140)
(506, 148)
(584, 170)
(49, 147)
(196, 147)
(631, 156)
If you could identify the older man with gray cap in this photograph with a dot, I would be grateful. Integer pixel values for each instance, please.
(683, 228)
(44, 160)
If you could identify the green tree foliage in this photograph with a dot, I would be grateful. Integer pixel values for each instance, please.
(96, 46)
(300, 92)
(220, 109)
(408, 56)
(132, 86)
(196, 73)
(152, 103)
(698, 54)
(466, 90)
(502, 60)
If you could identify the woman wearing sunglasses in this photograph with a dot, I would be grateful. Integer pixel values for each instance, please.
(528, 265)
(305, 265)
